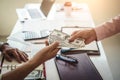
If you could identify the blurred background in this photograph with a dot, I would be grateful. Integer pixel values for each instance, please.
(101, 11)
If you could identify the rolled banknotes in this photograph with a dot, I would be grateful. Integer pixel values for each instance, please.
(63, 39)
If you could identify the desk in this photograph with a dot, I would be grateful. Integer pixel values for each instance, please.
(100, 62)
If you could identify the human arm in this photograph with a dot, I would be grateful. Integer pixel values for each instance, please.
(43, 55)
(9, 53)
(108, 29)
(98, 33)
(89, 35)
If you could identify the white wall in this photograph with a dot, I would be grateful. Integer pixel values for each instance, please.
(8, 15)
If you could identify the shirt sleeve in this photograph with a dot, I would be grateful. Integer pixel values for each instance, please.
(108, 29)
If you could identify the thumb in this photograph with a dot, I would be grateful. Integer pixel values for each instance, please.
(46, 43)
(54, 45)
(73, 37)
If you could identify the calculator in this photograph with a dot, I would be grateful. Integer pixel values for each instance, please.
(30, 35)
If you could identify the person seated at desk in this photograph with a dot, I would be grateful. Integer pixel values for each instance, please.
(22, 71)
(100, 32)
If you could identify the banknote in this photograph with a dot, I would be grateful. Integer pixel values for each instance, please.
(63, 39)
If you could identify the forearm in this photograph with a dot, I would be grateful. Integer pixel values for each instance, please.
(108, 29)
(21, 72)
(43, 55)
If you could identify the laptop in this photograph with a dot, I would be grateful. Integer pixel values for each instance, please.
(43, 11)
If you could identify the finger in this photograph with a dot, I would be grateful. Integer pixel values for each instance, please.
(74, 33)
(54, 45)
(25, 54)
(16, 55)
(26, 57)
(23, 57)
(72, 38)
(22, 52)
(8, 58)
(54, 52)
(46, 43)
(87, 41)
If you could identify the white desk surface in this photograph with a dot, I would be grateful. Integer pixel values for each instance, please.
(86, 21)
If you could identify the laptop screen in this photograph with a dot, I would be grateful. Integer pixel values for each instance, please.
(46, 6)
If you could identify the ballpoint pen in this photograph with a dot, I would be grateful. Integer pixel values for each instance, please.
(66, 58)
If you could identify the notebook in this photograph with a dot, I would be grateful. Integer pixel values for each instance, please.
(83, 70)
(43, 11)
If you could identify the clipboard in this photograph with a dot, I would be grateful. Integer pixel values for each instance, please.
(83, 70)
(90, 49)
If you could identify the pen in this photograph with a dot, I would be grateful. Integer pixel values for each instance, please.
(66, 58)
(1, 64)
(38, 42)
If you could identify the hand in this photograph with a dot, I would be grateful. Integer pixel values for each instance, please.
(22, 71)
(88, 35)
(10, 53)
(46, 53)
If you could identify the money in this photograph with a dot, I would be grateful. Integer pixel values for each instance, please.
(63, 39)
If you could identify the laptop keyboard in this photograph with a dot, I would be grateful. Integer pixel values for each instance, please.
(34, 13)
(29, 35)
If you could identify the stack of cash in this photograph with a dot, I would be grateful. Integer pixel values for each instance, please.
(63, 40)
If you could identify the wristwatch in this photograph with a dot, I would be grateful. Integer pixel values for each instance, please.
(2, 45)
